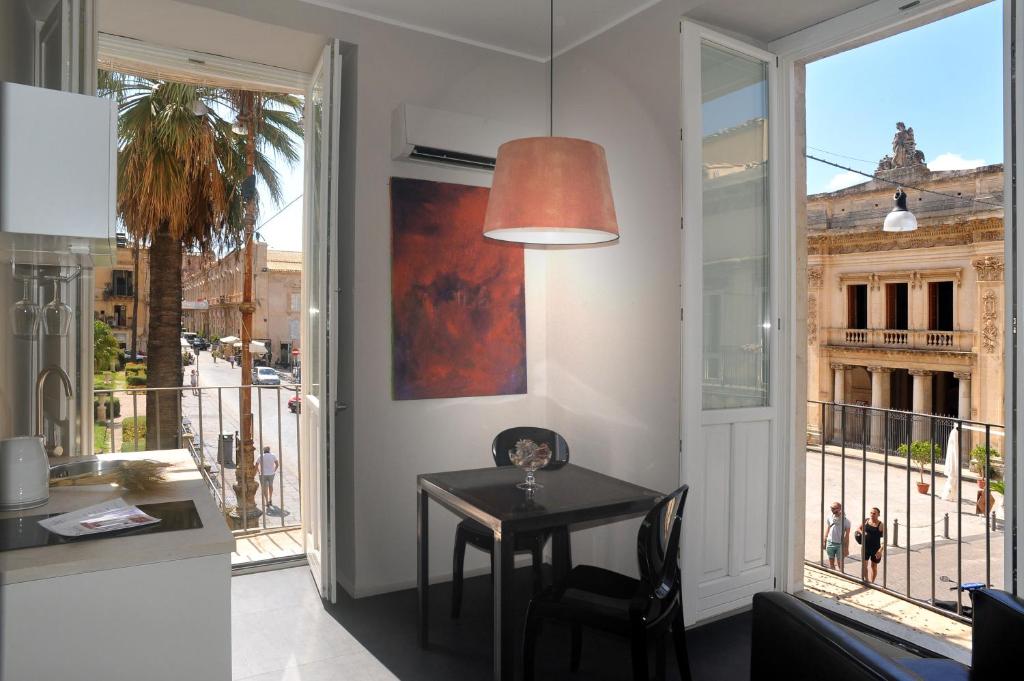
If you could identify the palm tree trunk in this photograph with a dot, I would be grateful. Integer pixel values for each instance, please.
(164, 351)
(135, 300)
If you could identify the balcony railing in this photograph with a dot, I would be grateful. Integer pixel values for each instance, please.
(209, 428)
(947, 531)
(915, 339)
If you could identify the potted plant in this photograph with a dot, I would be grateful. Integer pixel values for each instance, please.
(921, 451)
(978, 464)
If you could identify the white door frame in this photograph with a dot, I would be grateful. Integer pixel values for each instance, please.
(870, 23)
(730, 591)
(135, 55)
(319, 470)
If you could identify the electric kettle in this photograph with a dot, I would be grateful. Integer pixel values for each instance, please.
(24, 473)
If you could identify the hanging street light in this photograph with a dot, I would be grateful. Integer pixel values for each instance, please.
(551, 190)
(900, 219)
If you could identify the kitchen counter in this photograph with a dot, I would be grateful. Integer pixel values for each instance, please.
(145, 606)
(183, 481)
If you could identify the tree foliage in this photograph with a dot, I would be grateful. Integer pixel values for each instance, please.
(105, 347)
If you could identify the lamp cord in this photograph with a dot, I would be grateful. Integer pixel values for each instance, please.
(551, 70)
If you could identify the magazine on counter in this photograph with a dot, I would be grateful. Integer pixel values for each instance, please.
(108, 516)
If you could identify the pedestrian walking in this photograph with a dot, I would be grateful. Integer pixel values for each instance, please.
(194, 380)
(870, 533)
(837, 536)
(267, 465)
(231, 359)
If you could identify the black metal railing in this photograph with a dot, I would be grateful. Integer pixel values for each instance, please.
(209, 430)
(869, 457)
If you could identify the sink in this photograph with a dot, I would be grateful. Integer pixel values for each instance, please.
(91, 466)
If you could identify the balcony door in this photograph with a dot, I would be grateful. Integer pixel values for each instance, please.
(318, 323)
(730, 430)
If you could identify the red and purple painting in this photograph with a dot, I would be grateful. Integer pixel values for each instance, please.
(458, 303)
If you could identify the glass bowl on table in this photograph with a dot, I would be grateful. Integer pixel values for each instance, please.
(531, 457)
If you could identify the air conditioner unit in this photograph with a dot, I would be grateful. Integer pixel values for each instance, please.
(449, 138)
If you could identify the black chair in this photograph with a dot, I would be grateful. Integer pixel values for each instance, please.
(471, 532)
(643, 610)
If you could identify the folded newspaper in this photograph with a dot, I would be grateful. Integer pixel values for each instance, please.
(108, 516)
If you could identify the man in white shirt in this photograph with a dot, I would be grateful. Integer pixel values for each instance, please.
(267, 465)
(837, 536)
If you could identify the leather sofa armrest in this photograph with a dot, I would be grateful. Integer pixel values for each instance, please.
(998, 631)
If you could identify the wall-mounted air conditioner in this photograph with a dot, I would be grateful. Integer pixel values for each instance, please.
(449, 138)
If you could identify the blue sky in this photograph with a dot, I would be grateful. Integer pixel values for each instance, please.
(283, 232)
(943, 79)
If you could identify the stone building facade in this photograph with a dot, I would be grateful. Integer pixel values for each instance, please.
(914, 320)
(213, 293)
(115, 287)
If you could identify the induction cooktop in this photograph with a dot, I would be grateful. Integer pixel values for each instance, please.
(25, 532)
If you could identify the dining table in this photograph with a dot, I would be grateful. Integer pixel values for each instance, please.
(566, 496)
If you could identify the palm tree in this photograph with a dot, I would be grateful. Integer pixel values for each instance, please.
(180, 171)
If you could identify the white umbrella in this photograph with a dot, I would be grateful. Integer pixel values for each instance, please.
(951, 488)
(255, 347)
(229, 339)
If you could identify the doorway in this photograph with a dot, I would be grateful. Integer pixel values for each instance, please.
(923, 306)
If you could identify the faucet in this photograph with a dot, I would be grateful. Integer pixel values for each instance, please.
(40, 382)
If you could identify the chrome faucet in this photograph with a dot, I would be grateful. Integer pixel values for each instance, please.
(40, 382)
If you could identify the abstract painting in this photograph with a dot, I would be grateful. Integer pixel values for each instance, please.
(457, 299)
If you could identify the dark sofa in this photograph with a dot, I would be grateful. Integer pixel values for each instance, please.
(793, 640)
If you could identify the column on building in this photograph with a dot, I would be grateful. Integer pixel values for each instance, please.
(922, 402)
(964, 403)
(988, 399)
(881, 392)
(838, 397)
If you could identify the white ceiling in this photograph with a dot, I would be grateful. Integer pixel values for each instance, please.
(521, 26)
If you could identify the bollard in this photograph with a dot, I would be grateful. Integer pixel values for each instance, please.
(945, 526)
(993, 521)
(896, 532)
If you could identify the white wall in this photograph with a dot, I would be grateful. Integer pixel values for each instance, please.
(613, 333)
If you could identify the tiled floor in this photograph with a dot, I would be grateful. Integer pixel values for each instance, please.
(281, 632)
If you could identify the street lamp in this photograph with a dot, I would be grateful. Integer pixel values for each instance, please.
(900, 219)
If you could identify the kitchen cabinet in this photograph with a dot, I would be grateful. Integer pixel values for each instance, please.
(152, 606)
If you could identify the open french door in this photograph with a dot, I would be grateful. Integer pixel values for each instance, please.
(730, 395)
(319, 318)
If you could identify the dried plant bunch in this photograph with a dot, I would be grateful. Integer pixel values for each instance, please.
(134, 476)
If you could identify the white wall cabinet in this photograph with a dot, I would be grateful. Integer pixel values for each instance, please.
(58, 163)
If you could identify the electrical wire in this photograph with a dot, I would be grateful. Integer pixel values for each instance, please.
(902, 184)
(283, 209)
(833, 153)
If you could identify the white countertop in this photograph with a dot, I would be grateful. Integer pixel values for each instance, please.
(183, 481)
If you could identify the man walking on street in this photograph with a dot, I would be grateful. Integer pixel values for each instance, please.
(195, 382)
(267, 465)
(837, 536)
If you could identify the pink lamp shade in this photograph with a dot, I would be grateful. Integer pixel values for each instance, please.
(551, 190)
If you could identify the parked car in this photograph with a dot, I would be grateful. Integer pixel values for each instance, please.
(200, 343)
(295, 404)
(265, 376)
(138, 357)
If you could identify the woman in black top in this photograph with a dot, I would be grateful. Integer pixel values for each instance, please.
(872, 531)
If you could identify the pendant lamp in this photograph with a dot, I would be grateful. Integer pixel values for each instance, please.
(551, 190)
(900, 219)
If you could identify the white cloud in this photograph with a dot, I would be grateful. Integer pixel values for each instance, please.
(951, 161)
(844, 180)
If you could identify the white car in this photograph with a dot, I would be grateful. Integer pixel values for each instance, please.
(265, 376)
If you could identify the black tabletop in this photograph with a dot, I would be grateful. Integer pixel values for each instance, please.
(570, 494)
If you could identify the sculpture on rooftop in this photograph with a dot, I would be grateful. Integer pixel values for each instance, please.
(904, 150)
